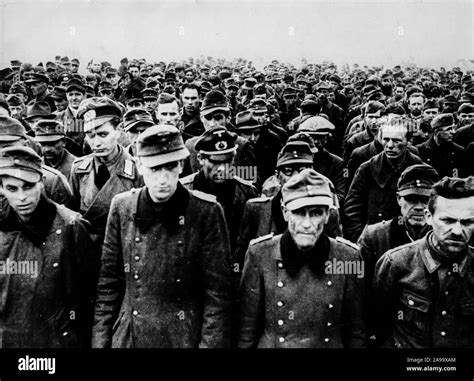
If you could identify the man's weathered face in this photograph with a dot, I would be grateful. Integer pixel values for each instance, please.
(464, 118)
(168, 113)
(216, 171)
(134, 71)
(162, 180)
(370, 120)
(399, 92)
(306, 225)
(52, 151)
(75, 98)
(445, 134)
(103, 140)
(453, 223)
(38, 88)
(61, 104)
(430, 112)
(3, 111)
(415, 105)
(412, 208)
(113, 78)
(251, 135)
(214, 119)
(22, 196)
(190, 101)
(394, 139)
(17, 110)
(322, 95)
(74, 67)
(290, 100)
(189, 76)
(334, 85)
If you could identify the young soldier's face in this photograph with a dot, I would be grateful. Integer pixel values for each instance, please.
(168, 113)
(103, 140)
(190, 100)
(161, 181)
(453, 223)
(75, 98)
(306, 225)
(22, 196)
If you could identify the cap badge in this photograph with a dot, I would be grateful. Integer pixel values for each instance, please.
(418, 183)
(220, 146)
(89, 115)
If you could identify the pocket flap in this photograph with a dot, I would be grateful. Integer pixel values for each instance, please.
(414, 301)
(467, 306)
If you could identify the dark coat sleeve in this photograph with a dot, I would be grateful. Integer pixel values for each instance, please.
(251, 301)
(247, 232)
(111, 285)
(217, 281)
(355, 207)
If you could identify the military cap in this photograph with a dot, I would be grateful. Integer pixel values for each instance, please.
(15, 64)
(11, 129)
(48, 131)
(137, 116)
(288, 78)
(245, 120)
(455, 85)
(75, 84)
(50, 65)
(260, 89)
(449, 99)
(430, 104)
(258, 104)
(323, 85)
(317, 125)
(375, 95)
(150, 93)
(22, 163)
(306, 138)
(289, 91)
(335, 78)
(18, 88)
(39, 109)
(98, 110)
(64, 60)
(91, 78)
(258, 75)
(442, 120)
(417, 179)
(466, 108)
(14, 100)
(307, 188)
(105, 85)
(170, 76)
(75, 61)
(302, 79)
(161, 144)
(38, 74)
(223, 74)
(64, 77)
(179, 67)
(217, 143)
(249, 83)
(467, 97)
(295, 152)
(110, 71)
(214, 101)
(373, 107)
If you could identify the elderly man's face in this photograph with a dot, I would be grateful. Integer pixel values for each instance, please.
(161, 181)
(412, 208)
(306, 225)
(464, 118)
(453, 223)
(415, 105)
(38, 88)
(216, 171)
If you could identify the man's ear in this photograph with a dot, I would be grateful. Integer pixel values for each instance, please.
(399, 200)
(200, 159)
(180, 166)
(286, 212)
(429, 217)
(139, 166)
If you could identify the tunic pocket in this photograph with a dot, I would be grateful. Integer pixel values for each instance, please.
(414, 314)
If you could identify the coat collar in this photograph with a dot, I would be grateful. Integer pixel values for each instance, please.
(383, 171)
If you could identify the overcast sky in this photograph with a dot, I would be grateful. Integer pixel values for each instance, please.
(436, 32)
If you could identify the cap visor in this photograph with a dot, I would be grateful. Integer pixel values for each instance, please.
(309, 201)
(96, 123)
(417, 191)
(294, 161)
(155, 160)
(48, 138)
(145, 123)
(11, 138)
(212, 109)
(22, 174)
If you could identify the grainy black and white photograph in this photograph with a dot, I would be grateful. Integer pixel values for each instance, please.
(229, 176)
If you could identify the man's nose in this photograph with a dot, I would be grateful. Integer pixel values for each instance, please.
(457, 228)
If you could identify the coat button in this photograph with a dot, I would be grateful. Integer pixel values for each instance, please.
(137, 239)
(330, 306)
(135, 276)
(135, 312)
(65, 333)
(178, 280)
(446, 293)
(280, 322)
(449, 272)
(411, 302)
(280, 284)
(326, 340)
(329, 283)
(59, 231)
(444, 313)
(443, 333)
(280, 303)
(329, 324)
(55, 264)
(281, 339)
(136, 257)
